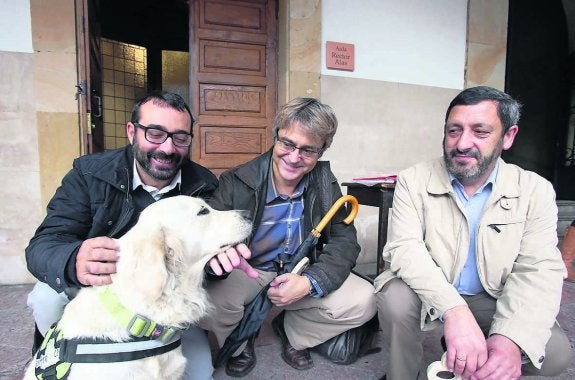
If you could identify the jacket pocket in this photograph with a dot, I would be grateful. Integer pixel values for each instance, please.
(498, 248)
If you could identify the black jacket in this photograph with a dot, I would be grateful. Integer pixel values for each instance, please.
(245, 188)
(93, 200)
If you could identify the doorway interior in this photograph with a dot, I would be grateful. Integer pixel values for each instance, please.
(144, 46)
(540, 72)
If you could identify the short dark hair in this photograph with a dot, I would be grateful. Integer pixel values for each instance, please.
(508, 109)
(162, 99)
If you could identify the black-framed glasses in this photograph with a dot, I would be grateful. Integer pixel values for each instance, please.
(156, 135)
(288, 147)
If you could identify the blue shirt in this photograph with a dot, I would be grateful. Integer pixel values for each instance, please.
(281, 227)
(468, 282)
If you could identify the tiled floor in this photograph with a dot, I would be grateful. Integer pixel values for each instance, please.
(16, 342)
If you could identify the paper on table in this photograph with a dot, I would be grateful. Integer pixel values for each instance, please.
(370, 181)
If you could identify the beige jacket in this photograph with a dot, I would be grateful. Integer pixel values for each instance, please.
(517, 256)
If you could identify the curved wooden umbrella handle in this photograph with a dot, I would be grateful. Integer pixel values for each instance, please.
(327, 217)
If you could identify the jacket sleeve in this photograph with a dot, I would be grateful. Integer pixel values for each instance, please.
(531, 294)
(339, 254)
(52, 251)
(407, 252)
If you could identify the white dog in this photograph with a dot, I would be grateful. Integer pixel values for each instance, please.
(159, 276)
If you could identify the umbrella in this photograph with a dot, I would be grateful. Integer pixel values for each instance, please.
(257, 310)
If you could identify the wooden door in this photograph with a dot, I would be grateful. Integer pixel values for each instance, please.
(233, 65)
(89, 88)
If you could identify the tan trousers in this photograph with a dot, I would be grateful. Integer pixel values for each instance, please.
(399, 310)
(308, 322)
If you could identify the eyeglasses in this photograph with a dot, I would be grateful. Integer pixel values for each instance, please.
(289, 147)
(156, 135)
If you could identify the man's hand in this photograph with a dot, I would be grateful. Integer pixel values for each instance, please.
(233, 258)
(96, 260)
(466, 346)
(288, 288)
(504, 362)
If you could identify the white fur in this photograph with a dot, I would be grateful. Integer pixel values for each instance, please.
(159, 275)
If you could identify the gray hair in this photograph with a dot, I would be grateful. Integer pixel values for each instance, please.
(315, 117)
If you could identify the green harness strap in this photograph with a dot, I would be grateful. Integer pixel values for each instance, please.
(48, 365)
(56, 355)
(138, 325)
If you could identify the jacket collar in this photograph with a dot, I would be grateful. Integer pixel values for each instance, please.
(506, 183)
(254, 173)
(115, 167)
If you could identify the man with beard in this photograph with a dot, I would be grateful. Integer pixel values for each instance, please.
(473, 247)
(101, 198)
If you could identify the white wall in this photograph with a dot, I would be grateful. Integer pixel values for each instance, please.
(15, 26)
(418, 42)
(409, 63)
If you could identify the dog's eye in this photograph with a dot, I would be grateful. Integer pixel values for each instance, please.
(204, 211)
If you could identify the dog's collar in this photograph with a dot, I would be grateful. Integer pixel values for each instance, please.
(137, 325)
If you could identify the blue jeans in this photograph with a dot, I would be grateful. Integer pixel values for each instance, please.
(48, 306)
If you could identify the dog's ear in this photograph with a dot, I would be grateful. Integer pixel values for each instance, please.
(144, 264)
(174, 258)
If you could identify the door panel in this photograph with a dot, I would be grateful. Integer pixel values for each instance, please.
(216, 99)
(233, 49)
(236, 16)
(232, 58)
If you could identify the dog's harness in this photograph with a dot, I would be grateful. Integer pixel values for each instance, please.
(56, 355)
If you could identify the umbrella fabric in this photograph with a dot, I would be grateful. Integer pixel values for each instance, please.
(254, 315)
(257, 310)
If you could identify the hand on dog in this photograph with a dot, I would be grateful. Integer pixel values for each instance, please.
(288, 288)
(234, 258)
(96, 260)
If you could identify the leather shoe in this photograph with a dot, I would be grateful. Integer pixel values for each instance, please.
(298, 359)
(242, 364)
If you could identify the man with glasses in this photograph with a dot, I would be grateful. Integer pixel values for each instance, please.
(288, 191)
(101, 198)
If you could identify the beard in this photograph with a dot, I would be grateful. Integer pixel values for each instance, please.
(466, 174)
(162, 173)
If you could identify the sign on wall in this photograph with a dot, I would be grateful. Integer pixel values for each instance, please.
(340, 56)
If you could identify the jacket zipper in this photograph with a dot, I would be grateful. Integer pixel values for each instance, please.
(125, 211)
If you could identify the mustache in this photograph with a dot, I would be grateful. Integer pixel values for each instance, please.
(175, 157)
(470, 153)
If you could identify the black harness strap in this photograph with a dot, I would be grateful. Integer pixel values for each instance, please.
(72, 351)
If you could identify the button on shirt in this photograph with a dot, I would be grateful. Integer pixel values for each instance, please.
(468, 282)
(280, 230)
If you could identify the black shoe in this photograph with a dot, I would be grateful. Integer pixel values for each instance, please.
(242, 364)
(298, 359)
